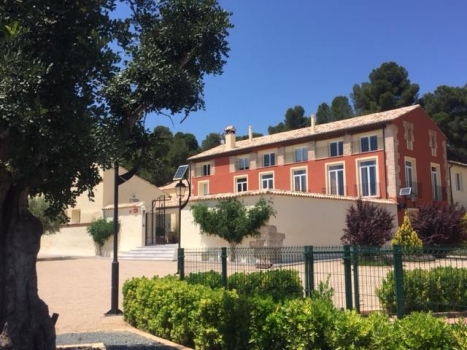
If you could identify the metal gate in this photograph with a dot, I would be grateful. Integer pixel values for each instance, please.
(157, 223)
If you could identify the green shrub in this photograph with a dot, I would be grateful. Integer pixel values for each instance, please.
(210, 279)
(278, 284)
(440, 289)
(407, 238)
(216, 319)
(421, 331)
(298, 324)
(100, 230)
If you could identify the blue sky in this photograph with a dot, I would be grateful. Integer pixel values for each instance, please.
(305, 52)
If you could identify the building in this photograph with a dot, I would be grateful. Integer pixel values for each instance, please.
(397, 156)
(147, 215)
(458, 174)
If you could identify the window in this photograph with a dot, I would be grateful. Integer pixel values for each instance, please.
(435, 183)
(408, 134)
(299, 180)
(368, 178)
(433, 145)
(203, 188)
(301, 154)
(75, 216)
(243, 163)
(408, 174)
(459, 186)
(206, 169)
(242, 184)
(267, 181)
(269, 159)
(369, 143)
(336, 149)
(336, 179)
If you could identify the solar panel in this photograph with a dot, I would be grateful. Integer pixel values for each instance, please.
(180, 173)
(405, 191)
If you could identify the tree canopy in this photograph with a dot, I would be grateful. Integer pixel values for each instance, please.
(447, 106)
(294, 119)
(75, 87)
(340, 109)
(388, 88)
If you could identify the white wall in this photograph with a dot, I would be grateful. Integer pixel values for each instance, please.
(303, 220)
(70, 241)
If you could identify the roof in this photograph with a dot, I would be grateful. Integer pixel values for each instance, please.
(271, 192)
(457, 163)
(321, 129)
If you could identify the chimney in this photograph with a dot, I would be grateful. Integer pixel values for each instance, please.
(230, 136)
(313, 123)
(250, 133)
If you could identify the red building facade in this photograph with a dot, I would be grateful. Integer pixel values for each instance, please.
(372, 156)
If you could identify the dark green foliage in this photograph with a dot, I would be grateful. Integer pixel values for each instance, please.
(39, 207)
(388, 88)
(278, 284)
(196, 315)
(367, 224)
(447, 106)
(440, 289)
(212, 140)
(439, 224)
(100, 230)
(294, 119)
(323, 115)
(209, 279)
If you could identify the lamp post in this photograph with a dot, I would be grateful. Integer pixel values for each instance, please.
(180, 189)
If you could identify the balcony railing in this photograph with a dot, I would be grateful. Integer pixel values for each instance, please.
(357, 146)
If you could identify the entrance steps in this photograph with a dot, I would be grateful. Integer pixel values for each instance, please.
(163, 252)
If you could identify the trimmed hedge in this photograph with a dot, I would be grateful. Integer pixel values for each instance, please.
(278, 284)
(218, 319)
(440, 289)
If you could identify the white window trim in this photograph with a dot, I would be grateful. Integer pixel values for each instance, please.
(328, 183)
(359, 179)
(260, 176)
(438, 190)
(413, 161)
(236, 178)
(292, 178)
(459, 183)
(202, 184)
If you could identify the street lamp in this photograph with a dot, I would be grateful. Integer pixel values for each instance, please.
(180, 190)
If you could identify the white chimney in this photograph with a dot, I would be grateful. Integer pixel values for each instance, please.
(230, 137)
(313, 123)
(250, 133)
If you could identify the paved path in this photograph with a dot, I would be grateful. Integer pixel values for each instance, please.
(78, 289)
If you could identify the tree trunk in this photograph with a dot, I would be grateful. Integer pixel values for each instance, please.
(25, 322)
(233, 251)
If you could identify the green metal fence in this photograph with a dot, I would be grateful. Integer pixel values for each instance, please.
(390, 279)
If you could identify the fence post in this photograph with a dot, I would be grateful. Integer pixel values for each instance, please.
(224, 266)
(348, 277)
(356, 289)
(181, 263)
(309, 271)
(399, 281)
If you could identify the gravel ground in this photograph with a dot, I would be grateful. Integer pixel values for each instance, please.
(113, 340)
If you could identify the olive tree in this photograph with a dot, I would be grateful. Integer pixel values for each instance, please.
(75, 87)
(231, 220)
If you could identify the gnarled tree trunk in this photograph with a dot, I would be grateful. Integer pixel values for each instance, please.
(24, 318)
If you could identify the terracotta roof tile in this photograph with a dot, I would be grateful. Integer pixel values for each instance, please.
(320, 129)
